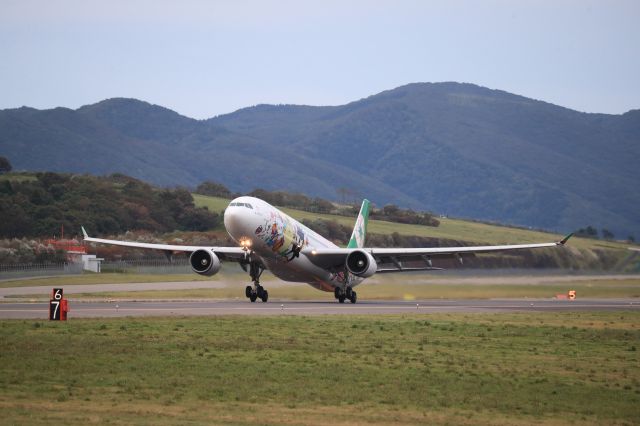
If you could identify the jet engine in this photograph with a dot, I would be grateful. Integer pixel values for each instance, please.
(204, 262)
(361, 263)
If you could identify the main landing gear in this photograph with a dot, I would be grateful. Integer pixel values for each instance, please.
(345, 294)
(256, 291)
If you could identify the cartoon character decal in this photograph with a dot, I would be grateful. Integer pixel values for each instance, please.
(282, 235)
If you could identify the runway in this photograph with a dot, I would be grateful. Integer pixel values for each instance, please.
(243, 307)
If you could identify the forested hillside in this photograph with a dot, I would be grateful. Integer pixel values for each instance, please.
(40, 205)
(454, 149)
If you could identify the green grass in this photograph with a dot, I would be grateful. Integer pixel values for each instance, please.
(454, 229)
(443, 369)
(214, 204)
(18, 177)
(104, 278)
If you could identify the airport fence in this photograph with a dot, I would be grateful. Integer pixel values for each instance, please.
(146, 266)
(29, 270)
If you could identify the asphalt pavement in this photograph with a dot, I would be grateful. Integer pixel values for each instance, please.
(94, 309)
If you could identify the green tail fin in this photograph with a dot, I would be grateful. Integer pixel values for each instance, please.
(360, 230)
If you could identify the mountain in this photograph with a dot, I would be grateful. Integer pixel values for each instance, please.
(455, 149)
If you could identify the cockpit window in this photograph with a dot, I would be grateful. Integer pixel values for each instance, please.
(241, 205)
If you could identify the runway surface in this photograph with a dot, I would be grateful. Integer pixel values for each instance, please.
(235, 307)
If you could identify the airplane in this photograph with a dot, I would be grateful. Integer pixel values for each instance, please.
(270, 239)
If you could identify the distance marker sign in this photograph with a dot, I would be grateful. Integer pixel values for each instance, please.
(58, 306)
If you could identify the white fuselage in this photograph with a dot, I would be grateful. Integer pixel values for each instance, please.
(273, 236)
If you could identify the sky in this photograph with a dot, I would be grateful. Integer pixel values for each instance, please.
(205, 58)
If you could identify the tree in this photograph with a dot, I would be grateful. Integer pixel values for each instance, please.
(390, 210)
(588, 232)
(342, 193)
(607, 235)
(197, 219)
(213, 189)
(321, 206)
(348, 196)
(5, 165)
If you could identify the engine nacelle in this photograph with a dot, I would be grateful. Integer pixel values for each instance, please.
(361, 263)
(204, 262)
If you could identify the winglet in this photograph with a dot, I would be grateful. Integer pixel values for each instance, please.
(84, 233)
(565, 239)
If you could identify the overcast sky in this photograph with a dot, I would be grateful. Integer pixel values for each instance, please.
(204, 58)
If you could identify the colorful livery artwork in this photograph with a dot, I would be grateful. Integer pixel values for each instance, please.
(283, 236)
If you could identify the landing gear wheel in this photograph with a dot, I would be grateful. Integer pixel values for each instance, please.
(336, 292)
(256, 291)
(354, 297)
(348, 292)
(341, 298)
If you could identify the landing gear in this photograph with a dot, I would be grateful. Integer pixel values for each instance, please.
(256, 291)
(346, 294)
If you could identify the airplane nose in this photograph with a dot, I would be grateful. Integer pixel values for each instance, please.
(231, 221)
(241, 220)
(238, 222)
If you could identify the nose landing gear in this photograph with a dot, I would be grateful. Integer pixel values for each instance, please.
(256, 291)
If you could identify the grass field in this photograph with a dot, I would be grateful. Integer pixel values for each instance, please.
(468, 369)
(105, 278)
(18, 177)
(453, 229)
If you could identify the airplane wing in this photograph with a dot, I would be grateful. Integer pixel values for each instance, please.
(224, 253)
(419, 259)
